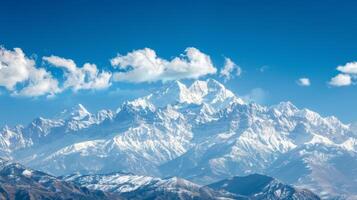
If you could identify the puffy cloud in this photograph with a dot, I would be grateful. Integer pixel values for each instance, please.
(86, 77)
(14, 67)
(341, 80)
(229, 68)
(40, 83)
(145, 66)
(348, 68)
(17, 69)
(347, 77)
(304, 82)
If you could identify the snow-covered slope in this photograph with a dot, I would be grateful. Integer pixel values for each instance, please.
(202, 132)
(138, 187)
(143, 134)
(297, 146)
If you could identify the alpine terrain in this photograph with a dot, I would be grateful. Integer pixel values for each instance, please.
(202, 133)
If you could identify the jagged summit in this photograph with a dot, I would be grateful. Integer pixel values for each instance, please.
(78, 112)
(199, 92)
(286, 107)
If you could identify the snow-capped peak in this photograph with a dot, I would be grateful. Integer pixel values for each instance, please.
(286, 108)
(199, 88)
(173, 93)
(176, 93)
(77, 112)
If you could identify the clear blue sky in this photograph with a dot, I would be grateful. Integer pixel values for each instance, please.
(292, 39)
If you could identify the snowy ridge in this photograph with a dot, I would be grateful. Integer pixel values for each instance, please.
(133, 186)
(209, 92)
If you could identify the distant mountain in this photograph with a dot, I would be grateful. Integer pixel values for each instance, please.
(136, 187)
(144, 187)
(19, 182)
(257, 186)
(202, 132)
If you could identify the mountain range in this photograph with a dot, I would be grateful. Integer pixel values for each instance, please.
(202, 133)
(21, 183)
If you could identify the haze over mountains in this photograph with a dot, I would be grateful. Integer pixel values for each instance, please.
(203, 133)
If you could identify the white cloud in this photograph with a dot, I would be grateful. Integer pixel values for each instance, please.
(17, 70)
(348, 68)
(304, 82)
(229, 68)
(14, 67)
(144, 66)
(40, 83)
(341, 80)
(86, 77)
(347, 77)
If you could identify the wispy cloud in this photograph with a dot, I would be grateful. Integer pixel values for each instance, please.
(230, 69)
(305, 82)
(145, 66)
(263, 68)
(80, 78)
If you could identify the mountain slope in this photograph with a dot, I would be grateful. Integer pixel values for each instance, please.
(144, 187)
(142, 135)
(18, 182)
(248, 138)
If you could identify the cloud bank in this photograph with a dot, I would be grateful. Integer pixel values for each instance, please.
(21, 77)
(145, 66)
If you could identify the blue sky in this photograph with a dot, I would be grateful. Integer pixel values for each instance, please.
(274, 43)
